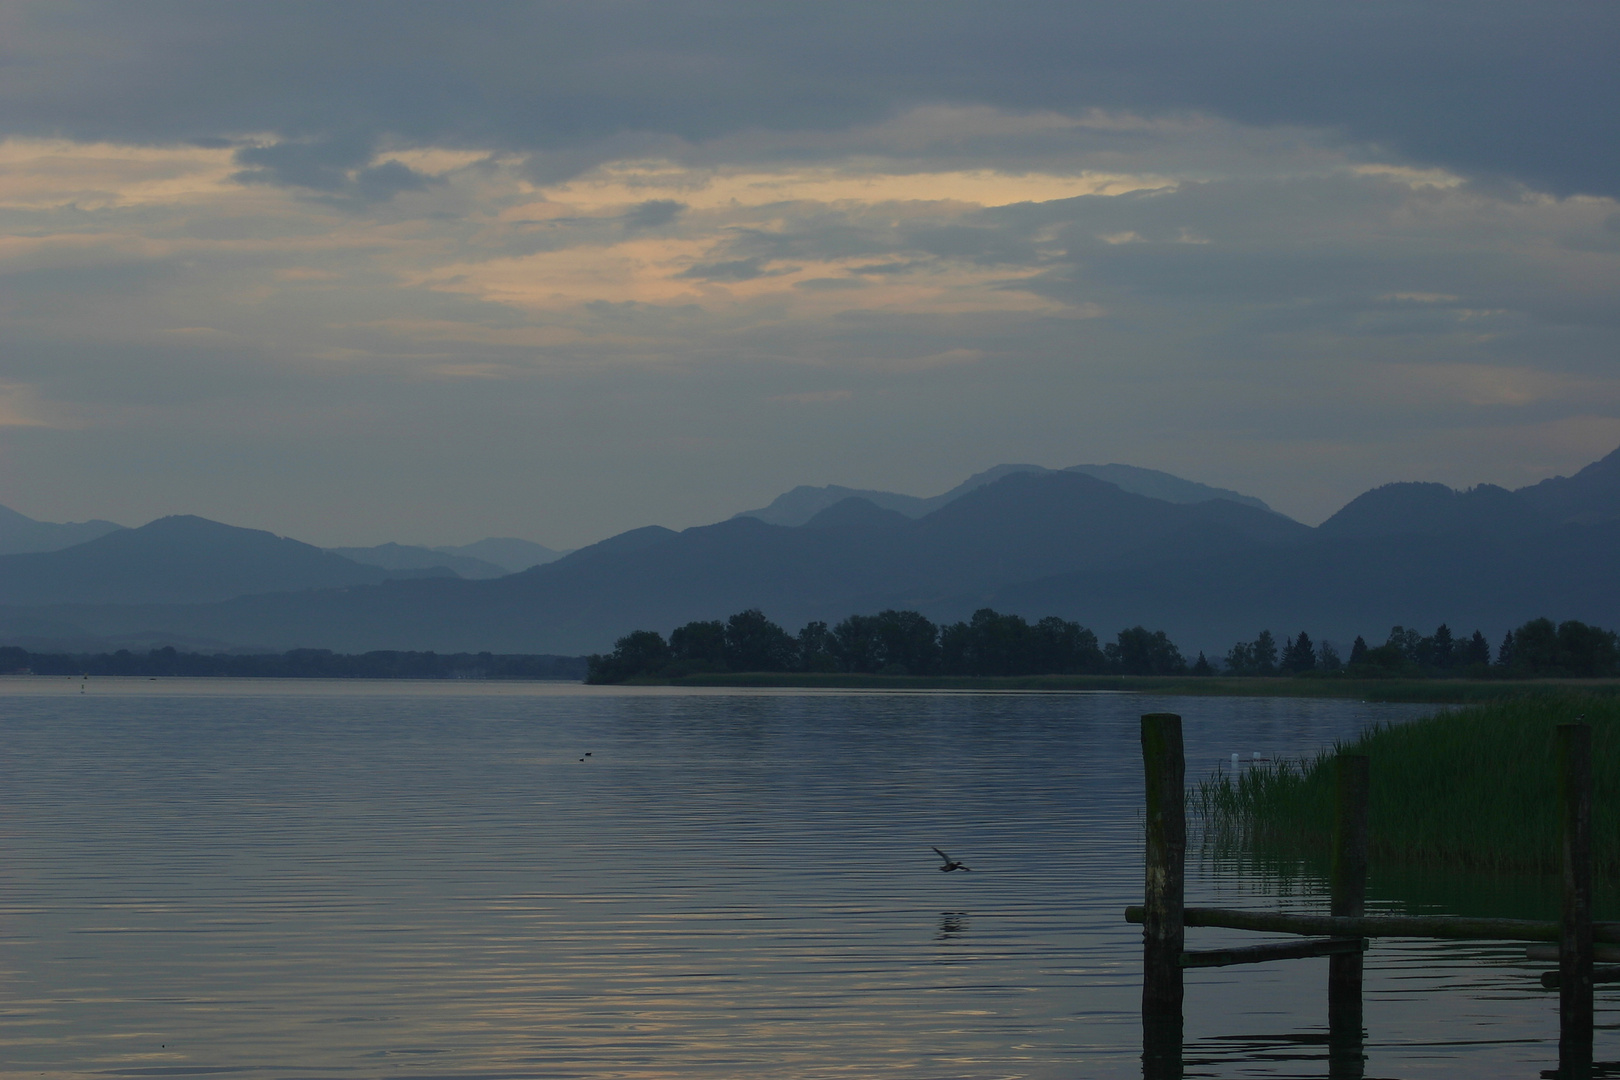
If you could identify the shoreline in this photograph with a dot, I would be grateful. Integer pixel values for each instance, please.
(1439, 691)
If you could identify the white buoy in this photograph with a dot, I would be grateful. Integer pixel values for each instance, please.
(1234, 763)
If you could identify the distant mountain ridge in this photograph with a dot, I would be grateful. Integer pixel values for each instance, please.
(509, 553)
(490, 557)
(20, 533)
(177, 560)
(804, 502)
(1591, 495)
(853, 556)
(494, 557)
(1029, 541)
(410, 557)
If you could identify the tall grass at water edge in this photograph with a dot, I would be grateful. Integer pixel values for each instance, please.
(1472, 787)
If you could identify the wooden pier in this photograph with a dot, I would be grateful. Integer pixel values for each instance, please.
(1343, 934)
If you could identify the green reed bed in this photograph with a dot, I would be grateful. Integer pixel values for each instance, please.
(1469, 787)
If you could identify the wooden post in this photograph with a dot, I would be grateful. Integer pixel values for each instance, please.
(1575, 931)
(1348, 898)
(1163, 935)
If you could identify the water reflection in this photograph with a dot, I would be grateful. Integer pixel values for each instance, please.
(1163, 1035)
(374, 882)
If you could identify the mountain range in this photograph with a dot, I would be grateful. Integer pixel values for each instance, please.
(1206, 568)
(798, 506)
(495, 557)
(19, 533)
(492, 557)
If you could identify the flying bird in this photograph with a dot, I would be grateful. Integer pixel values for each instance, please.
(950, 863)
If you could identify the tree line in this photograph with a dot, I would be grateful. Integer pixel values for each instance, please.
(888, 643)
(297, 664)
(994, 644)
(1538, 649)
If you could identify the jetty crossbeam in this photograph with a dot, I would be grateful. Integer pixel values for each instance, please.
(1552, 981)
(1283, 950)
(1455, 928)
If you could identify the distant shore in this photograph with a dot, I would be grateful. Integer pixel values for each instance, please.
(1439, 691)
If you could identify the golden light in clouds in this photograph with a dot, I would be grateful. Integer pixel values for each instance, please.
(37, 174)
(643, 266)
(628, 183)
(647, 270)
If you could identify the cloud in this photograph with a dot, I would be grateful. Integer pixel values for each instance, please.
(333, 167)
(653, 213)
(729, 270)
(322, 165)
(1524, 94)
(253, 305)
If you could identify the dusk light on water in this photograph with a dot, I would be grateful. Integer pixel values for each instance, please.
(229, 878)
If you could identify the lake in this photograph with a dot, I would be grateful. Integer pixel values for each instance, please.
(352, 879)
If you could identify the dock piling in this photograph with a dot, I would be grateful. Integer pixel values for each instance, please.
(1575, 930)
(1163, 932)
(1348, 898)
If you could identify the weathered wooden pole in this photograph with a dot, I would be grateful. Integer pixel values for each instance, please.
(1163, 934)
(1575, 929)
(1348, 897)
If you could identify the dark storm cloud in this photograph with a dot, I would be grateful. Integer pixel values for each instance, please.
(1498, 87)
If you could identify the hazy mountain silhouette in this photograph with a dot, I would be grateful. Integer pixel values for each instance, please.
(175, 560)
(1593, 494)
(798, 506)
(853, 556)
(1035, 542)
(1338, 588)
(20, 533)
(506, 552)
(1162, 485)
(857, 515)
(410, 557)
(1410, 509)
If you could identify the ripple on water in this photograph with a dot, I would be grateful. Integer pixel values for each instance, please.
(379, 880)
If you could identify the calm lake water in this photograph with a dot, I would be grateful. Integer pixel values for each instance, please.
(343, 879)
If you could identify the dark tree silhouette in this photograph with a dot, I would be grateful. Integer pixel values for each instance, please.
(1300, 655)
(995, 644)
(697, 647)
(639, 652)
(816, 648)
(754, 643)
(1138, 651)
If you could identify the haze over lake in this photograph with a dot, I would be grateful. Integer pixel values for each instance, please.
(376, 880)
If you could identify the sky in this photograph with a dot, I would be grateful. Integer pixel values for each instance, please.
(429, 272)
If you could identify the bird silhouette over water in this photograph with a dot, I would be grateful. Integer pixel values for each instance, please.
(950, 863)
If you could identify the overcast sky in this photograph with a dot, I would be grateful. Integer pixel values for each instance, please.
(357, 272)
